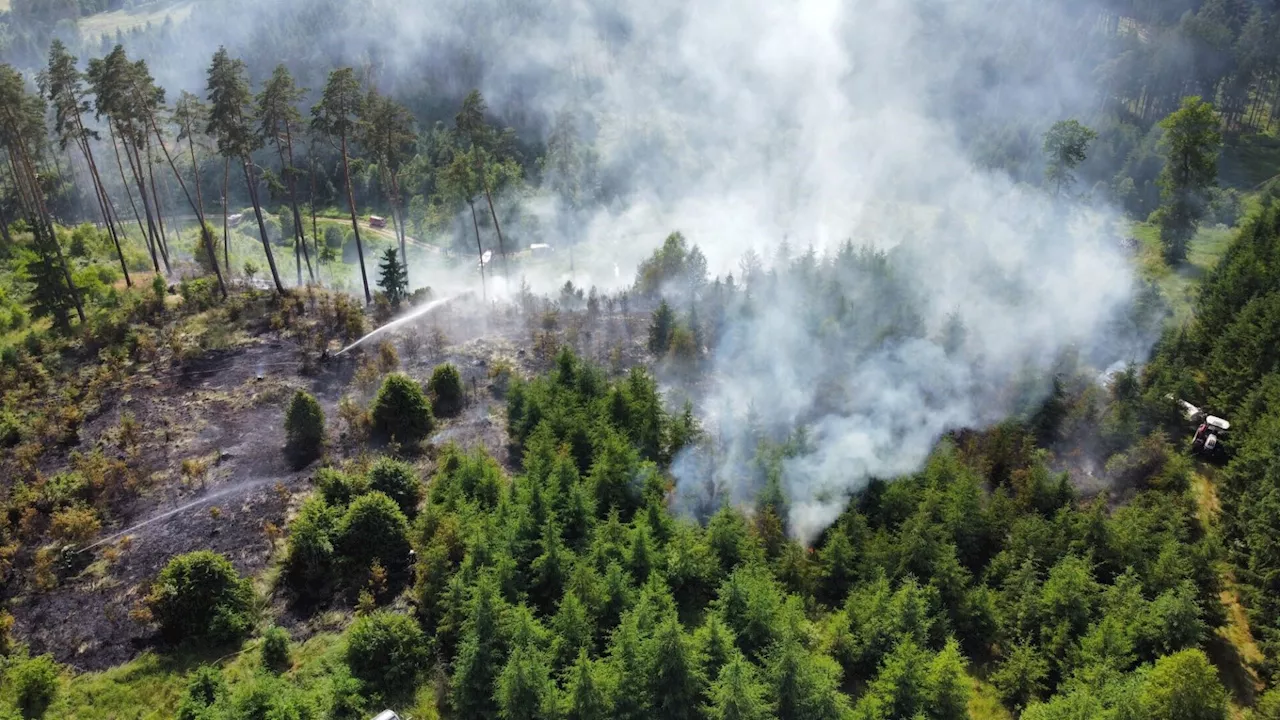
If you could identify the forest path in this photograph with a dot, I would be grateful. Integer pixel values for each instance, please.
(1232, 648)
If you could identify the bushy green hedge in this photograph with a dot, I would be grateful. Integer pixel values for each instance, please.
(446, 390)
(199, 597)
(401, 411)
(303, 429)
(386, 651)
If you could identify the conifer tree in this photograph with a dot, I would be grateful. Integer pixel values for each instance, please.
(525, 690)
(22, 133)
(675, 682)
(393, 279)
(584, 696)
(737, 694)
(335, 118)
(63, 84)
(278, 117)
(230, 121)
(386, 132)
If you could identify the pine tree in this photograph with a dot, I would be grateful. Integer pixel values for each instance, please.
(386, 131)
(737, 694)
(675, 683)
(335, 117)
(525, 690)
(631, 698)
(22, 133)
(584, 696)
(63, 84)
(230, 121)
(661, 329)
(804, 684)
(393, 278)
(278, 116)
(125, 93)
(480, 655)
(485, 148)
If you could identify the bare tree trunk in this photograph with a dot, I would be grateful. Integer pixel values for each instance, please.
(195, 172)
(124, 183)
(293, 200)
(156, 205)
(262, 226)
(397, 217)
(226, 234)
(135, 166)
(299, 241)
(198, 207)
(45, 223)
(502, 248)
(4, 227)
(104, 202)
(484, 293)
(315, 233)
(355, 226)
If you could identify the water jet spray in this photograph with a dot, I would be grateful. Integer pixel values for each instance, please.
(401, 321)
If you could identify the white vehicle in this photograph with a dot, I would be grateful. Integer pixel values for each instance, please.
(386, 715)
(540, 249)
(484, 259)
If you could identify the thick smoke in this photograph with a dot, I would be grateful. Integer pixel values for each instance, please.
(741, 123)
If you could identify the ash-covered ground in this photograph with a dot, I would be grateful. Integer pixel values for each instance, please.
(210, 459)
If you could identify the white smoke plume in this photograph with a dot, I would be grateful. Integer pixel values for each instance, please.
(741, 123)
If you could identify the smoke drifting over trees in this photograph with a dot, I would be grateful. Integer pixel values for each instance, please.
(741, 125)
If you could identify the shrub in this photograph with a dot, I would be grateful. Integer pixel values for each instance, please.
(6, 630)
(400, 411)
(339, 488)
(199, 596)
(10, 430)
(398, 481)
(205, 688)
(303, 429)
(35, 683)
(445, 387)
(385, 650)
(75, 524)
(373, 528)
(275, 649)
(310, 554)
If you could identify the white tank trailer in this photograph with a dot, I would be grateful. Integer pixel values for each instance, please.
(1209, 428)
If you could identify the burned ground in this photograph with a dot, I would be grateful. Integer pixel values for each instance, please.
(208, 466)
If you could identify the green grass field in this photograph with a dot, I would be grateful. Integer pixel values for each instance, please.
(154, 13)
(1180, 285)
(151, 686)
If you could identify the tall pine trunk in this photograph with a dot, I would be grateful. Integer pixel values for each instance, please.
(226, 233)
(315, 232)
(299, 240)
(44, 223)
(397, 217)
(135, 166)
(124, 183)
(355, 225)
(484, 292)
(502, 248)
(156, 202)
(196, 206)
(262, 226)
(104, 202)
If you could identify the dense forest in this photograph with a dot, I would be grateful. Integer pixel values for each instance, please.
(304, 417)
